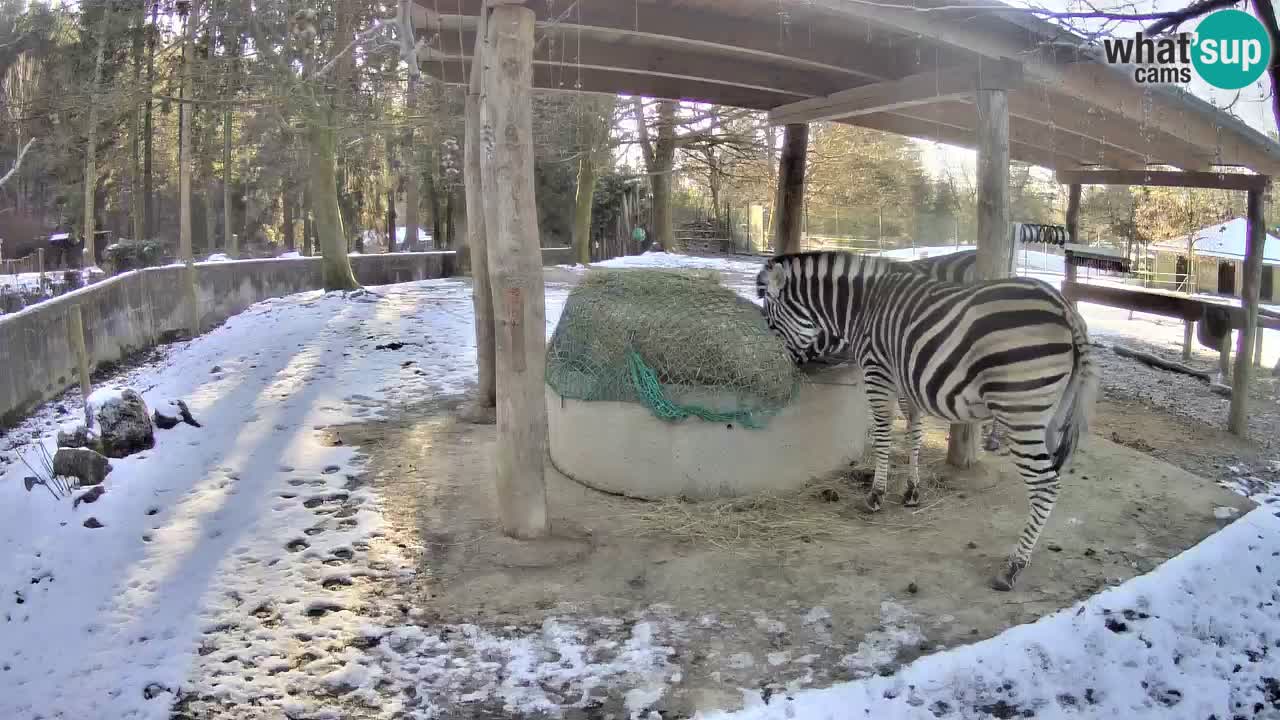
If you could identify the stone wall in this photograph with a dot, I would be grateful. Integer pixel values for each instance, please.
(140, 309)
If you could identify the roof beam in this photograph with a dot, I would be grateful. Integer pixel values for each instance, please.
(685, 28)
(1073, 119)
(1165, 178)
(564, 48)
(606, 81)
(964, 116)
(1172, 111)
(940, 132)
(920, 89)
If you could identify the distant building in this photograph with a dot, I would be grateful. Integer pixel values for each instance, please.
(1216, 264)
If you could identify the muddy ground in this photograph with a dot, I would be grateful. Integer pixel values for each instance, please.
(846, 595)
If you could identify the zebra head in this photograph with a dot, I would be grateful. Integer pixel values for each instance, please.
(790, 320)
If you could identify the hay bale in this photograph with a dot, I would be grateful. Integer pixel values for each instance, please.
(704, 343)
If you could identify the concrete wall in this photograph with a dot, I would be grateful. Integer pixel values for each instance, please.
(140, 309)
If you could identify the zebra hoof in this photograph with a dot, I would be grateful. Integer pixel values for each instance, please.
(1005, 581)
(875, 500)
(911, 498)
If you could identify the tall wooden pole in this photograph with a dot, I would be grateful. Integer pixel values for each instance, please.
(790, 204)
(995, 245)
(1257, 236)
(515, 266)
(1073, 230)
(477, 255)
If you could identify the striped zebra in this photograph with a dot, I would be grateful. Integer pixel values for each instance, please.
(1011, 350)
(960, 267)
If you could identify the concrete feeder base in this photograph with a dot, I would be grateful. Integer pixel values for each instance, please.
(622, 448)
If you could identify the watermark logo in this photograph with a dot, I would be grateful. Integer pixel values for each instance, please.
(1230, 50)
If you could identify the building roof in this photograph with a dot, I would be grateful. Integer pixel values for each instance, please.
(910, 69)
(1225, 240)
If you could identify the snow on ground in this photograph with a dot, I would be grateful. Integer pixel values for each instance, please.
(1197, 638)
(104, 622)
(227, 555)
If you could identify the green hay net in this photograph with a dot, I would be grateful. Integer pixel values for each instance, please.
(677, 342)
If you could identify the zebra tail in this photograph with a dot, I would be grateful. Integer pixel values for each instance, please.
(1075, 409)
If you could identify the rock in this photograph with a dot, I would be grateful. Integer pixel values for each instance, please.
(92, 523)
(77, 436)
(125, 425)
(215, 369)
(87, 466)
(88, 497)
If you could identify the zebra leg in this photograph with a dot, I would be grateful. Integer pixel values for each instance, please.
(1035, 465)
(915, 433)
(882, 422)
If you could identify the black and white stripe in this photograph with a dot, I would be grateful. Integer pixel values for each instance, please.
(958, 267)
(1012, 350)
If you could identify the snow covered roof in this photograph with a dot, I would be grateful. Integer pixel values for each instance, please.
(1226, 240)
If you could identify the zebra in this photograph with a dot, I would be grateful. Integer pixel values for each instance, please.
(1011, 350)
(959, 267)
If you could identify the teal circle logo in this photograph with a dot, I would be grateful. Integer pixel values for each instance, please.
(1231, 49)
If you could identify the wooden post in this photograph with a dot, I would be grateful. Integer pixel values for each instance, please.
(995, 244)
(75, 336)
(515, 266)
(477, 247)
(1257, 349)
(791, 170)
(40, 265)
(1073, 232)
(1187, 334)
(1257, 236)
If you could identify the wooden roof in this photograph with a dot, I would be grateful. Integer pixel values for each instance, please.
(880, 66)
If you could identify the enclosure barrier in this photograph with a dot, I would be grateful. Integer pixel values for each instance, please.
(143, 308)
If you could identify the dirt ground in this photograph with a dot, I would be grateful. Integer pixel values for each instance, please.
(811, 590)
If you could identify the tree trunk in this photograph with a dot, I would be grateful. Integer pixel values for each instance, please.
(148, 176)
(324, 197)
(409, 169)
(137, 204)
(286, 208)
(307, 230)
(515, 259)
(229, 239)
(659, 160)
(433, 197)
(391, 193)
(211, 187)
(587, 176)
(477, 240)
(184, 120)
(91, 148)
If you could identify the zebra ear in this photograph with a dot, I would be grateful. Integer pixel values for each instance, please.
(775, 277)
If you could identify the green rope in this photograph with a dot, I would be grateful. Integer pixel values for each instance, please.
(649, 390)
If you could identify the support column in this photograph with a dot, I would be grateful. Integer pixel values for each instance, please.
(995, 244)
(1073, 231)
(477, 255)
(1257, 235)
(1187, 327)
(790, 204)
(515, 266)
